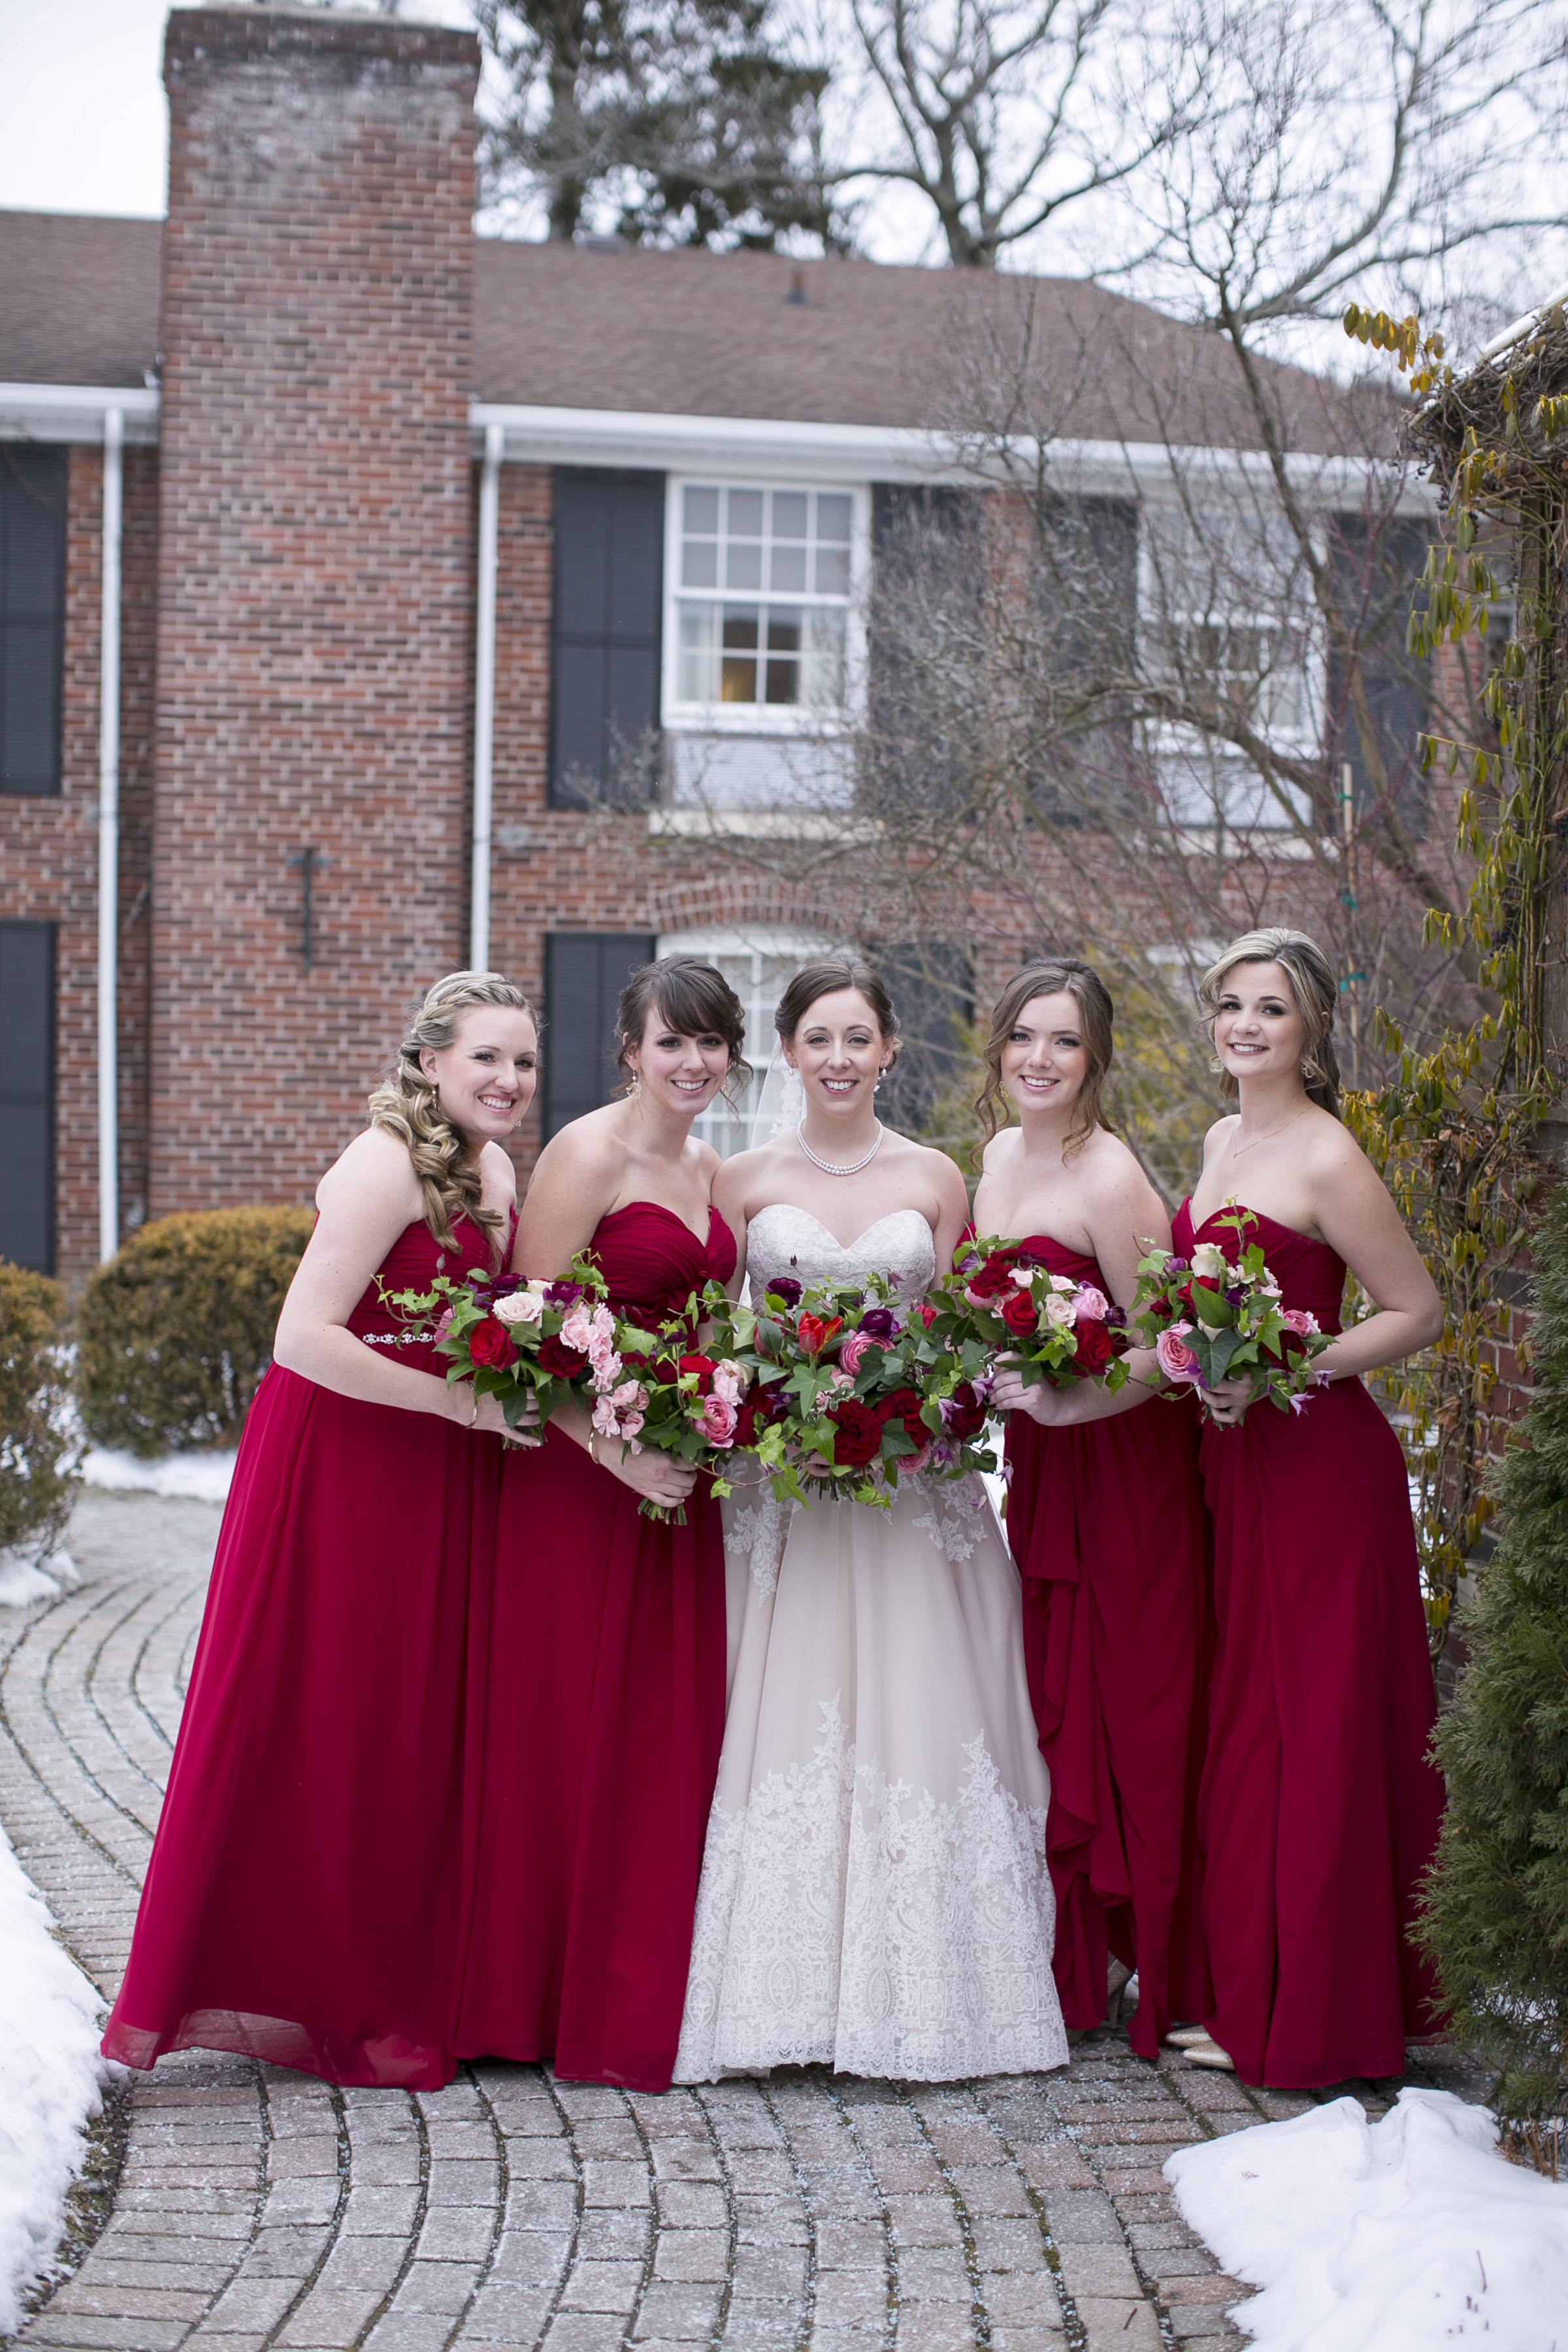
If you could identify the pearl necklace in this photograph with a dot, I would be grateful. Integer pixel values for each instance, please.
(831, 1167)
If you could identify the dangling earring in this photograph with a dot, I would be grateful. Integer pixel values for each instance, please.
(636, 1087)
(881, 1076)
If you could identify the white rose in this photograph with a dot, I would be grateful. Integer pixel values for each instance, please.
(1060, 1311)
(1210, 1262)
(1062, 1282)
(519, 1307)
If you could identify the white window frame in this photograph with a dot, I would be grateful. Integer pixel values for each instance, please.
(767, 718)
(786, 941)
(1301, 739)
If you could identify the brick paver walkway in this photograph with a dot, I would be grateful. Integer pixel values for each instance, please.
(259, 2208)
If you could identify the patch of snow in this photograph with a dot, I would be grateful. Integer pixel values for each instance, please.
(26, 1578)
(1396, 2236)
(50, 2075)
(198, 1478)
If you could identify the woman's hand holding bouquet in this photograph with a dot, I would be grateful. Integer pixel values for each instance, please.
(852, 1388)
(662, 1391)
(529, 1344)
(1212, 1319)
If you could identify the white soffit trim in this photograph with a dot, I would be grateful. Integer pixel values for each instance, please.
(784, 449)
(74, 411)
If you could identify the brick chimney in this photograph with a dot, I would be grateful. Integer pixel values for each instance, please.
(315, 579)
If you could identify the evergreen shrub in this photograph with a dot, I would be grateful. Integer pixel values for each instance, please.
(38, 1459)
(175, 1333)
(1496, 1919)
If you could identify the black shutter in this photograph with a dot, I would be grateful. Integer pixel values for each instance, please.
(28, 1094)
(931, 983)
(585, 972)
(32, 615)
(606, 616)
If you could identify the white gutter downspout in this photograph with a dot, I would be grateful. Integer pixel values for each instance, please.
(485, 701)
(108, 844)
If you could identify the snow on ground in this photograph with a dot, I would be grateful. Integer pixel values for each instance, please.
(202, 1477)
(1396, 2236)
(25, 1578)
(49, 2076)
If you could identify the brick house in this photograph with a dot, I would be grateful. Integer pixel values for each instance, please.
(464, 598)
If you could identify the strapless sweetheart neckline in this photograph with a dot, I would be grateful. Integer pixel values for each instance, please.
(674, 1215)
(1313, 1241)
(845, 1248)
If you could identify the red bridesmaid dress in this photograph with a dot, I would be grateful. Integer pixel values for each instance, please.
(603, 1723)
(1108, 1527)
(1318, 1810)
(307, 1897)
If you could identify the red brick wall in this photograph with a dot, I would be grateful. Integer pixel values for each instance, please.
(48, 852)
(315, 579)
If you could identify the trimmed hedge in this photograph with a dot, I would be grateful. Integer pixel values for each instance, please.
(175, 1333)
(37, 1461)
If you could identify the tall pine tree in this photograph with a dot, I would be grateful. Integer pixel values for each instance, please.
(1496, 1922)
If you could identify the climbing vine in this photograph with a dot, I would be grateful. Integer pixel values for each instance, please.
(1456, 1133)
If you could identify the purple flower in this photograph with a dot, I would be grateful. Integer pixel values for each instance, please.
(879, 1323)
(1117, 1315)
(1178, 1265)
(563, 1294)
(1236, 1293)
(787, 1288)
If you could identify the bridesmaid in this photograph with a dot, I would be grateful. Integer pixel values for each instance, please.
(1107, 1523)
(306, 1901)
(1319, 1809)
(601, 1735)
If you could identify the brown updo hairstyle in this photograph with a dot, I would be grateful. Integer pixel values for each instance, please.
(1052, 976)
(825, 976)
(409, 1105)
(1316, 994)
(693, 998)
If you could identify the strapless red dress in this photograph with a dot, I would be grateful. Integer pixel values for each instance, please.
(1108, 1527)
(602, 1728)
(307, 1900)
(1318, 1810)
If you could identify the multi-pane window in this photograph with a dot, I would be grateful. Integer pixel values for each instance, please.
(763, 587)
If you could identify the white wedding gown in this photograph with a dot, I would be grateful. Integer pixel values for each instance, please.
(874, 1893)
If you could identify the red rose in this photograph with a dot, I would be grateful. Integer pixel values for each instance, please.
(765, 1404)
(994, 1277)
(814, 1334)
(491, 1344)
(1020, 1314)
(1093, 1351)
(703, 1366)
(857, 1433)
(562, 1363)
(904, 1405)
(965, 1414)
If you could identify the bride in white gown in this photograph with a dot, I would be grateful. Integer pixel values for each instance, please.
(874, 1892)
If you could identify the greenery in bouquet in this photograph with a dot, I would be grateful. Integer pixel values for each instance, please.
(1001, 1300)
(665, 1392)
(1211, 1317)
(852, 1388)
(516, 1340)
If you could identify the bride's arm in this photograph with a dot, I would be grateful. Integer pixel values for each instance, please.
(731, 1188)
(952, 1211)
(366, 1200)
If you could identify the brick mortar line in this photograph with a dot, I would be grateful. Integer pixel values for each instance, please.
(421, 2207)
(807, 2327)
(732, 2219)
(890, 2249)
(334, 2226)
(133, 1686)
(650, 2251)
(54, 1672)
(1077, 2333)
(503, 2192)
(576, 2153)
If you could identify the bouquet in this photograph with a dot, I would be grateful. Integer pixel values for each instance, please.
(515, 1339)
(852, 1390)
(999, 1299)
(659, 1389)
(1208, 1318)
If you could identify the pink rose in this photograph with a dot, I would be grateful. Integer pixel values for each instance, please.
(1091, 1306)
(577, 1328)
(851, 1353)
(719, 1419)
(1296, 1318)
(1174, 1358)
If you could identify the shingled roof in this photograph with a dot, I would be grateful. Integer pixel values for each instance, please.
(705, 334)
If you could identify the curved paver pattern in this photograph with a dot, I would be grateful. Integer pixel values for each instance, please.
(261, 2209)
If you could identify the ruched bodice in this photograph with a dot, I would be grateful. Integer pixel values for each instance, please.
(652, 1261)
(784, 1240)
(1078, 1266)
(1309, 1272)
(413, 1262)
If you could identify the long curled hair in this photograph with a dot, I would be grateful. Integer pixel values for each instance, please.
(408, 1107)
(1311, 979)
(1052, 976)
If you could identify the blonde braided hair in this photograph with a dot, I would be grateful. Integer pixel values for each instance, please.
(408, 1107)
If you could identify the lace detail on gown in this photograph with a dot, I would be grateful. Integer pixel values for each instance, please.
(875, 1895)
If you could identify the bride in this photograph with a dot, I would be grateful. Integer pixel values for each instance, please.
(874, 1893)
